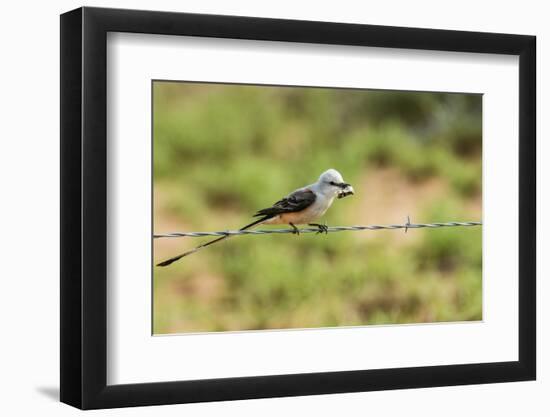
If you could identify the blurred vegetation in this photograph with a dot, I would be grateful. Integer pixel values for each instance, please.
(221, 152)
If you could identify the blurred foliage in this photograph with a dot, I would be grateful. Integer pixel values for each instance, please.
(221, 152)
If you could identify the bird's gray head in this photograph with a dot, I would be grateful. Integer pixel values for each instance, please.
(331, 183)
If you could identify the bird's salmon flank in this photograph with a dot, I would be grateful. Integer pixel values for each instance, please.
(303, 206)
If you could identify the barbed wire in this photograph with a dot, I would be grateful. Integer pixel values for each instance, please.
(405, 226)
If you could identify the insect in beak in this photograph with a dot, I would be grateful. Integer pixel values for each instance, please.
(347, 189)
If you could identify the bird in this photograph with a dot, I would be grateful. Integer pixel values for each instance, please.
(302, 206)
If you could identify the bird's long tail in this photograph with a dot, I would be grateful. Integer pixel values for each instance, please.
(204, 245)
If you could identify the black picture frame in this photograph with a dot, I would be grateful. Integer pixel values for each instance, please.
(84, 207)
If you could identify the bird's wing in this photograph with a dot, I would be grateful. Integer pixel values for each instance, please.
(296, 201)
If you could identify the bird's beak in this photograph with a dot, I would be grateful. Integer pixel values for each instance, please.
(348, 190)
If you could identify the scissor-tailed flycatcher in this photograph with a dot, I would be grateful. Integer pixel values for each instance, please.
(302, 206)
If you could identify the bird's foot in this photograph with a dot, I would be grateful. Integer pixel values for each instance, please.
(323, 228)
(295, 230)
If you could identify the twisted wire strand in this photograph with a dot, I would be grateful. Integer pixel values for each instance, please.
(405, 226)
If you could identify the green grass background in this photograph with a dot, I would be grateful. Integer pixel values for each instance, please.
(221, 152)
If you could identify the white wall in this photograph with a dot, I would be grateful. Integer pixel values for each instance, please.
(29, 174)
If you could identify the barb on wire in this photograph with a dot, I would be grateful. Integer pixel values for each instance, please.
(405, 226)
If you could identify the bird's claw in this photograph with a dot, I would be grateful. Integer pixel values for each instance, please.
(323, 228)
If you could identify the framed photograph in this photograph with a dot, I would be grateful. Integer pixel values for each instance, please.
(259, 208)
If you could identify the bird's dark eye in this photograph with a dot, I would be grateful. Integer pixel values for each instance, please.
(332, 183)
